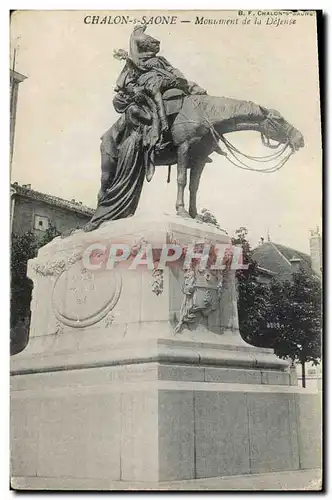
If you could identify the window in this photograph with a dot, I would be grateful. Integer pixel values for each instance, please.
(41, 223)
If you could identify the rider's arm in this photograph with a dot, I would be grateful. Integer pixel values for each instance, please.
(172, 70)
(137, 114)
(193, 87)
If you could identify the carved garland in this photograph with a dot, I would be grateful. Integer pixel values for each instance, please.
(158, 281)
(56, 267)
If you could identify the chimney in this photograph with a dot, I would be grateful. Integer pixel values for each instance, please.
(296, 264)
(316, 251)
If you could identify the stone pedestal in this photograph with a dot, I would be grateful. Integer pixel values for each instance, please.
(113, 387)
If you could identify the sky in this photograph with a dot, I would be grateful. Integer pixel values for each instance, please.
(65, 105)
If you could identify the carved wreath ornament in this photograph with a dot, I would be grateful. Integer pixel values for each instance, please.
(80, 298)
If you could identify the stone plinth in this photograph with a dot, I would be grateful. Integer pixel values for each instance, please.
(111, 388)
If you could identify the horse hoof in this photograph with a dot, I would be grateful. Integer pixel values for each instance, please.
(193, 214)
(181, 212)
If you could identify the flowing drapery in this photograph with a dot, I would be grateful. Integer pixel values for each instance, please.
(122, 197)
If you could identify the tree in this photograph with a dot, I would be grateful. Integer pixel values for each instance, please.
(294, 319)
(283, 315)
(23, 248)
(253, 302)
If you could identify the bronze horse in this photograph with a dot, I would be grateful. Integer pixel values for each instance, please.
(201, 122)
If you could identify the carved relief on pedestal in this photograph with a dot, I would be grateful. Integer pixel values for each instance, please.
(138, 246)
(172, 239)
(55, 267)
(59, 328)
(202, 291)
(158, 281)
(81, 297)
(108, 320)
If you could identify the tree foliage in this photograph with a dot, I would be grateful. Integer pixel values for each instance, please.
(295, 316)
(283, 315)
(253, 302)
(23, 248)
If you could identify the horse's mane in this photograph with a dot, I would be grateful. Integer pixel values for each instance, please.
(224, 108)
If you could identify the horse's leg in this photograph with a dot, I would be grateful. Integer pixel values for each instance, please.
(195, 175)
(182, 178)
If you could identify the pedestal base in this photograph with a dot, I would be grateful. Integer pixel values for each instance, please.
(310, 479)
(177, 410)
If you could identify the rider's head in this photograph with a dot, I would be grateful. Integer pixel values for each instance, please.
(149, 44)
(140, 42)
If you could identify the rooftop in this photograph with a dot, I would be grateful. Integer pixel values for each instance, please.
(277, 259)
(73, 205)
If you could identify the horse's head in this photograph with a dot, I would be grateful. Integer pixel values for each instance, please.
(275, 127)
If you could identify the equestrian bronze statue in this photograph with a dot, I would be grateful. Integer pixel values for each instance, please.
(166, 120)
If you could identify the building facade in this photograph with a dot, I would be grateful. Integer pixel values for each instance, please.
(316, 251)
(35, 211)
